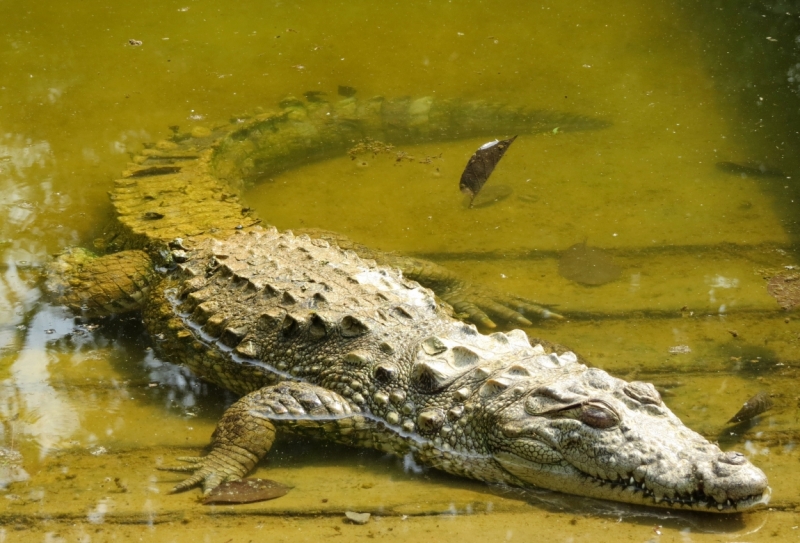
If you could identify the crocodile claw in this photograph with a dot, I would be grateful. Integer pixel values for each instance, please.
(481, 304)
(209, 472)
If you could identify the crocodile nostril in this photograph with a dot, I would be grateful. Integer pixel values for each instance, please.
(733, 458)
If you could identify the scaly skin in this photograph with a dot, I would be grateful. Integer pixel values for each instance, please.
(322, 342)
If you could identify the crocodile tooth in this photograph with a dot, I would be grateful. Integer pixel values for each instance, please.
(464, 357)
(352, 327)
(433, 346)
(430, 420)
(291, 325)
(492, 387)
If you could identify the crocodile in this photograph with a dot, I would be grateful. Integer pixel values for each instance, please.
(321, 337)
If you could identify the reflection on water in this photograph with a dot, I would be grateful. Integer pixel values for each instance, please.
(687, 86)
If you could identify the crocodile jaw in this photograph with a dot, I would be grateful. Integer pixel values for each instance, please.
(579, 430)
(566, 478)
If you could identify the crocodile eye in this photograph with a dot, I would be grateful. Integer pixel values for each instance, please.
(598, 415)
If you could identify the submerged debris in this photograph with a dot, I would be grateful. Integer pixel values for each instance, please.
(588, 265)
(345, 91)
(357, 518)
(11, 470)
(785, 287)
(760, 403)
(369, 146)
(246, 491)
(481, 165)
(680, 349)
(748, 169)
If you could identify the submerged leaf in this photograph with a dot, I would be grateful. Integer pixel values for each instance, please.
(246, 491)
(357, 518)
(753, 407)
(587, 265)
(481, 165)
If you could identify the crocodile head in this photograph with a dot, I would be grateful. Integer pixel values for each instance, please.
(585, 432)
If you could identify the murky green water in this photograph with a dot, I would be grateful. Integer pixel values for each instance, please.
(685, 86)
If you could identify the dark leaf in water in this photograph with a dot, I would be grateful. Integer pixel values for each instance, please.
(587, 265)
(490, 196)
(785, 287)
(481, 165)
(753, 407)
(749, 170)
(346, 91)
(246, 491)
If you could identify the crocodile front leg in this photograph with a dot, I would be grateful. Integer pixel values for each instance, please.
(248, 428)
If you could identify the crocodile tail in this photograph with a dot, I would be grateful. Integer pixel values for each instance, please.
(301, 132)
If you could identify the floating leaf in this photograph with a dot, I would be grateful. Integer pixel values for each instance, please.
(246, 491)
(753, 407)
(481, 165)
(587, 265)
(785, 287)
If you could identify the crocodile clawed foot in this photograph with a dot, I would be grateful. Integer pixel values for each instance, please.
(209, 472)
(482, 305)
